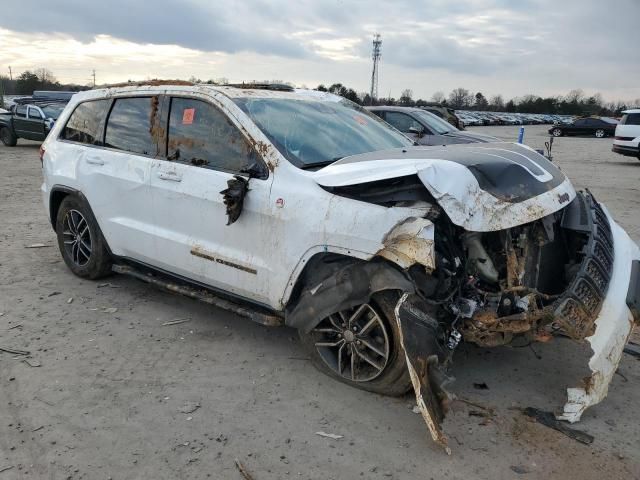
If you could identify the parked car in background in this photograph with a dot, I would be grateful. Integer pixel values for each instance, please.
(426, 128)
(29, 119)
(627, 135)
(300, 208)
(599, 127)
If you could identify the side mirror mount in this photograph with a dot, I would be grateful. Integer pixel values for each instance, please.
(255, 170)
(417, 131)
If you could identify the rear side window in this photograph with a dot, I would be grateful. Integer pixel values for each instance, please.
(630, 119)
(86, 122)
(21, 111)
(200, 134)
(131, 125)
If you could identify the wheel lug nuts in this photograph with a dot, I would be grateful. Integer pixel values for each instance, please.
(355, 329)
(358, 342)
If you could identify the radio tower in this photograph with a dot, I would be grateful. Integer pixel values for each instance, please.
(375, 56)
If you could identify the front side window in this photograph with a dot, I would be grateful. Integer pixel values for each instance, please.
(314, 133)
(403, 122)
(86, 122)
(34, 114)
(436, 124)
(132, 124)
(580, 123)
(201, 135)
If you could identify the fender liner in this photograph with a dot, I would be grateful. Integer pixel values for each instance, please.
(54, 204)
(348, 287)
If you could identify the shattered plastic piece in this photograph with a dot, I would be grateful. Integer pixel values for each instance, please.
(37, 245)
(411, 242)
(110, 310)
(14, 351)
(189, 407)
(32, 362)
(330, 435)
(418, 339)
(234, 197)
(176, 322)
(614, 326)
(548, 419)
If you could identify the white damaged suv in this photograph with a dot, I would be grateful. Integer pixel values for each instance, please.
(300, 208)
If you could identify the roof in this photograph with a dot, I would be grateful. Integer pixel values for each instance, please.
(394, 108)
(632, 110)
(229, 91)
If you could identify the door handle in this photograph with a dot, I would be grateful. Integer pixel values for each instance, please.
(95, 161)
(171, 176)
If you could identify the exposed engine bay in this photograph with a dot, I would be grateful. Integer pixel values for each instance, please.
(524, 284)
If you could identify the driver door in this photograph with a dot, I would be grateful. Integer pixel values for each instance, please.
(204, 150)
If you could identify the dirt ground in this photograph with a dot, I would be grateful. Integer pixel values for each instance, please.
(116, 395)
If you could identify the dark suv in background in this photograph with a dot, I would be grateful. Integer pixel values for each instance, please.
(426, 128)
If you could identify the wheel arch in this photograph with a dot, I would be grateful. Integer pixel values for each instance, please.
(332, 281)
(57, 195)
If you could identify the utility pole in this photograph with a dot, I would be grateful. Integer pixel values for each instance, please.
(94, 78)
(10, 74)
(375, 56)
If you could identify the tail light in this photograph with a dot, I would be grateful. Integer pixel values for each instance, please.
(42, 151)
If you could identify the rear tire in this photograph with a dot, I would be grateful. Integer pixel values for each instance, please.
(600, 133)
(556, 132)
(80, 240)
(379, 344)
(7, 137)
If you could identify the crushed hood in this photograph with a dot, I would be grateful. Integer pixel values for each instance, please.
(481, 187)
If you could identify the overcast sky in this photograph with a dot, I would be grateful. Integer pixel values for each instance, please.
(493, 46)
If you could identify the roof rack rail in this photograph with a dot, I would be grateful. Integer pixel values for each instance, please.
(282, 87)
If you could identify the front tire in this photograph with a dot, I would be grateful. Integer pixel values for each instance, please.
(80, 240)
(7, 137)
(361, 347)
(556, 132)
(600, 133)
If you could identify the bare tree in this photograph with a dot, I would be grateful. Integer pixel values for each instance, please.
(459, 98)
(438, 97)
(497, 103)
(45, 76)
(575, 96)
(406, 98)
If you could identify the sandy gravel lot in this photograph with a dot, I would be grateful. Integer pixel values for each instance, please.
(117, 395)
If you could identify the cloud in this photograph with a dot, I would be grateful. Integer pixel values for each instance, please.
(498, 46)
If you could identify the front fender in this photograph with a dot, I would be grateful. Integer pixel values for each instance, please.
(350, 286)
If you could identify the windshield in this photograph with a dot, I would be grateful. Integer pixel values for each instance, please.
(313, 133)
(435, 123)
(52, 111)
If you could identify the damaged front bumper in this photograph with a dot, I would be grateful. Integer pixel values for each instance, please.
(613, 326)
(600, 306)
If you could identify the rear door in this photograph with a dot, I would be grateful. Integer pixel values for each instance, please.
(194, 237)
(20, 123)
(112, 143)
(35, 124)
(629, 127)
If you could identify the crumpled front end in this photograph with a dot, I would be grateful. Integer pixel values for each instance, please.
(572, 273)
(613, 325)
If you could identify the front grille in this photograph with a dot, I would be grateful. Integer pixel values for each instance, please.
(578, 308)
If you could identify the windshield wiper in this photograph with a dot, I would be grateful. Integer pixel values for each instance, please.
(310, 166)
